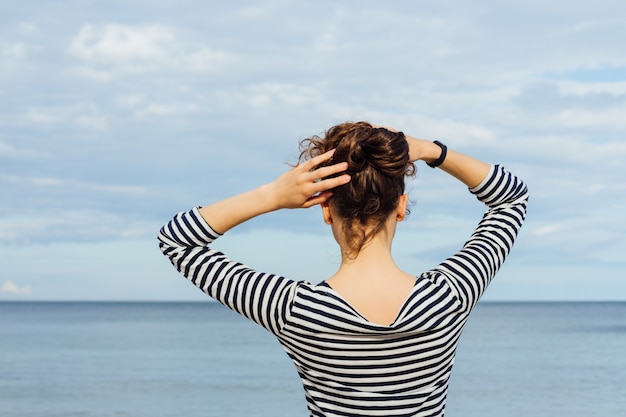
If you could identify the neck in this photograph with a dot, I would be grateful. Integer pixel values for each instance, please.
(378, 245)
(374, 257)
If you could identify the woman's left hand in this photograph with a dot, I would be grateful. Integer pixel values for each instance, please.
(300, 187)
(305, 185)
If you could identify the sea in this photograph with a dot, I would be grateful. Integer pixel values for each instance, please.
(198, 359)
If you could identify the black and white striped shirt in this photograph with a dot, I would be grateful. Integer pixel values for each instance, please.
(348, 365)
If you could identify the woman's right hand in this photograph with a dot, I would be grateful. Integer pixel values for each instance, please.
(467, 169)
(419, 149)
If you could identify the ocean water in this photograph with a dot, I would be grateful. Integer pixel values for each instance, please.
(199, 359)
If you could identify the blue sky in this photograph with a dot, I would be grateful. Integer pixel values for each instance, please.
(114, 116)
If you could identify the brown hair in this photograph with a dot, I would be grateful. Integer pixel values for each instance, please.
(378, 160)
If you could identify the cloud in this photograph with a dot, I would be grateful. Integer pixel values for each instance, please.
(11, 56)
(8, 287)
(111, 49)
(616, 88)
(28, 28)
(78, 225)
(80, 186)
(75, 210)
(269, 95)
(115, 43)
(10, 151)
(85, 116)
(113, 123)
(604, 119)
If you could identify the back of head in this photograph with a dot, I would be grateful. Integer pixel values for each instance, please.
(378, 161)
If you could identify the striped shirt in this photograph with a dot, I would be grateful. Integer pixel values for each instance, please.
(348, 365)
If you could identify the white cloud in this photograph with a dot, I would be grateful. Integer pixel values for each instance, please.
(114, 43)
(44, 116)
(144, 106)
(578, 238)
(79, 225)
(605, 119)
(110, 49)
(616, 88)
(567, 152)
(9, 151)
(75, 210)
(86, 115)
(28, 28)
(9, 287)
(276, 94)
(94, 74)
(76, 184)
(160, 109)
(131, 101)
(205, 59)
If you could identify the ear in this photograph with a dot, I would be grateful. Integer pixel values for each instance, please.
(401, 210)
(328, 217)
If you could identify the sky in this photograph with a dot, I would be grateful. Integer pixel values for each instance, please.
(116, 115)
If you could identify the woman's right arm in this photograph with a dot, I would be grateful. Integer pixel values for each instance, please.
(470, 270)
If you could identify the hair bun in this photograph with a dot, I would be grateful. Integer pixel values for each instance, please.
(380, 148)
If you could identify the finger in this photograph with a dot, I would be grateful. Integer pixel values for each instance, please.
(329, 170)
(317, 199)
(330, 183)
(389, 128)
(317, 160)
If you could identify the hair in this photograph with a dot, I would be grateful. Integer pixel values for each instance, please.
(378, 161)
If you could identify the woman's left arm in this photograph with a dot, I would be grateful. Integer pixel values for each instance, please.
(261, 297)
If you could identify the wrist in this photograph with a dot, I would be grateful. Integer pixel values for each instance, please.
(423, 150)
(443, 151)
(418, 148)
(266, 197)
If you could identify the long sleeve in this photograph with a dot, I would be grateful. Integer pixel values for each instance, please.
(263, 298)
(470, 271)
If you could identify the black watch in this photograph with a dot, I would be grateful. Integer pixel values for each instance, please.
(442, 157)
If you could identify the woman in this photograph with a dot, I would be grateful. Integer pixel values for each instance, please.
(371, 340)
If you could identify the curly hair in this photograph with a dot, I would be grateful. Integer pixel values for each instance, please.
(378, 161)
